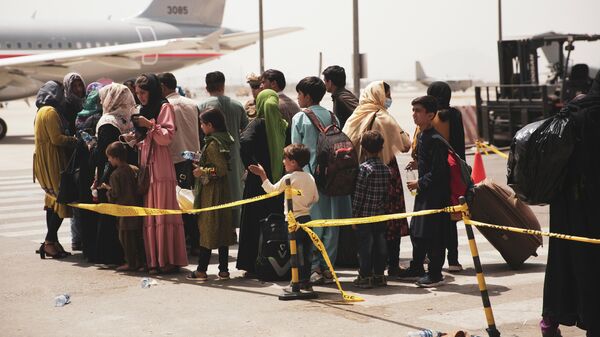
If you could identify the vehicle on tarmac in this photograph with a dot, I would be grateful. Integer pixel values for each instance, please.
(521, 98)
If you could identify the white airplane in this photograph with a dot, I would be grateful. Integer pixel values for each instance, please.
(167, 35)
(455, 85)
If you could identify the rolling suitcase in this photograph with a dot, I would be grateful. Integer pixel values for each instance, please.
(498, 205)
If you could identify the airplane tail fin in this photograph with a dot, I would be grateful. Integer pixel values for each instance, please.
(420, 73)
(196, 12)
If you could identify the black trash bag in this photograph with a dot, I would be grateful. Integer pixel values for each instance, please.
(538, 158)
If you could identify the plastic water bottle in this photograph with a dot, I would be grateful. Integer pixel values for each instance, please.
(148, 282)
(191, 155)
(88, 139)
(62, 300)
(424, 333)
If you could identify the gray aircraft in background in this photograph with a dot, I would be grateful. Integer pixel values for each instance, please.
(455, 85)
(167, 35)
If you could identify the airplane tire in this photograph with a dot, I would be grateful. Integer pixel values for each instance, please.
(2, 128)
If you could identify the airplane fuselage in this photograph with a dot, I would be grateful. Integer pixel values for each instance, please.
(34, 37)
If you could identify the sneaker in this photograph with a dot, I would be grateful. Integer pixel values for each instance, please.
(363, 282)
(379, 281)
(197, 276)
(427, 282)
(455, 268)
(327, 277)
(316, 278)
(410, 274)
(224, 275)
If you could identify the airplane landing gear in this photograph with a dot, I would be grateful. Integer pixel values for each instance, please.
(2, 128)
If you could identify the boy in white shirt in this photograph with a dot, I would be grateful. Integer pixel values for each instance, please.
(295, 157)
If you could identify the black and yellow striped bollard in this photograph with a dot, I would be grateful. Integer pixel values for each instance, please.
(295, 293)
(485, 297)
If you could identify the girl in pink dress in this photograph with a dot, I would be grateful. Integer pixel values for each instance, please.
(164, 238)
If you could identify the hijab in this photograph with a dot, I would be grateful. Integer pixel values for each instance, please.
(93, 86)
(50, 94)
(155, 98)
(267, 108)
(70, 97)
(91, 106)
(118, 106)
(372, 105)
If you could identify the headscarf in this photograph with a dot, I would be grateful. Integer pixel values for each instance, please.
(267, 108)
(372, 101)
(70, 98)
(155, 98)
(93, 86)
(442, 92)
(118, 106)
(91, 105)
(50, 94)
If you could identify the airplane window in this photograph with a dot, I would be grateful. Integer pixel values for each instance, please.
(39, 44)
(98, 44)
(88, 44)
(70, 44)
(30, 45)
(8, 45)
(49, 45)
(78, 45)
(19, 45)
(60, 45)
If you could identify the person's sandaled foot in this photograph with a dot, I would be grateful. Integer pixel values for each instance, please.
(224, 275)
(197, 276)
(124, 267)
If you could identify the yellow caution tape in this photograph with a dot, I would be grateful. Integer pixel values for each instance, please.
(494, 149)
(533, 232)
(319, 244)
(380, 218)
(127, 211)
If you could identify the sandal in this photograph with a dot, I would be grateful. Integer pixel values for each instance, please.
(197, 276)
(43, 253)
(224, 275)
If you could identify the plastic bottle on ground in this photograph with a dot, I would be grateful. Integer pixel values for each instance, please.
(424, 333)
(62, 300)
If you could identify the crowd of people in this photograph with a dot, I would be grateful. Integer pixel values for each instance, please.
(126, 143)
(139, 130)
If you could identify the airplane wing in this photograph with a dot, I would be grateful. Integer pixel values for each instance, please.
(127, 56)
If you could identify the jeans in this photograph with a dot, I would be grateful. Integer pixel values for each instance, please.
(76, 227)
(453, 245)
(204, 259)
(372, 252)
(53, 222)
(430, 248)
(304, 249)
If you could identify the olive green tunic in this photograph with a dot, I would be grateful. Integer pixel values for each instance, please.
(50, 156)
(215, 227)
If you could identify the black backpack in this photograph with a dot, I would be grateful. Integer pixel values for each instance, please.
(273, 260)
(337, 160)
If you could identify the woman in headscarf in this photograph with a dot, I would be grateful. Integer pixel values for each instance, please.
(164, 237)
(74, 97)
(372, 114)
(571, 292)
(117, 106)
(50, 159)
(262, 142)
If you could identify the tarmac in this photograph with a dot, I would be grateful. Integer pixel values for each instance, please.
(107, 303)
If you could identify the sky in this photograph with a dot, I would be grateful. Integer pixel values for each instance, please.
(452, 39)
